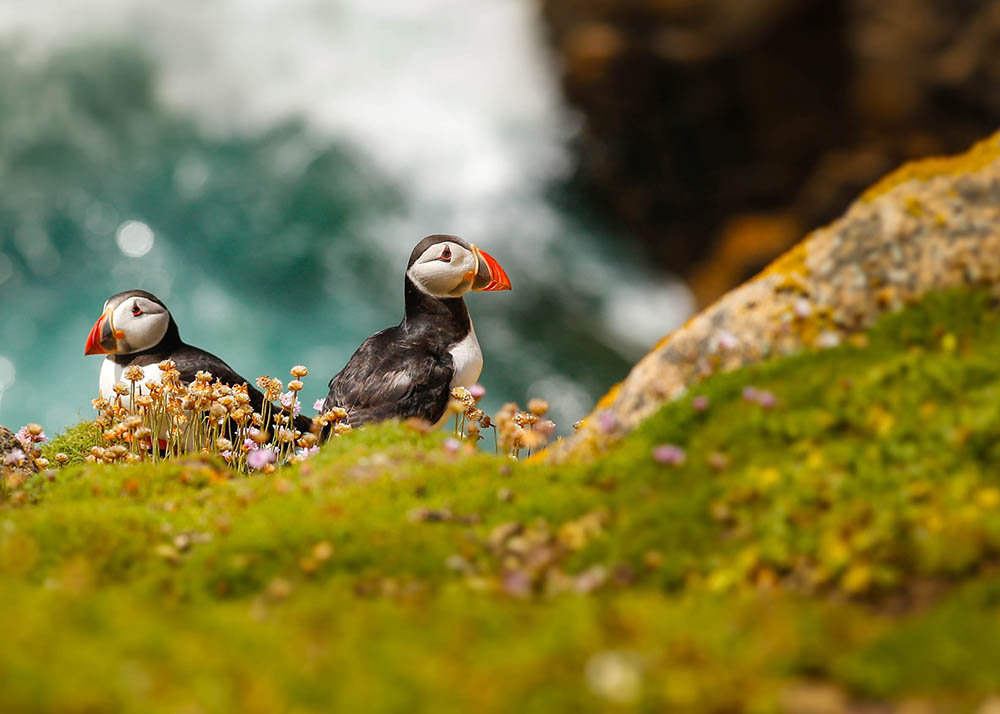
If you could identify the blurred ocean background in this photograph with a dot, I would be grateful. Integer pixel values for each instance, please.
(266, 166)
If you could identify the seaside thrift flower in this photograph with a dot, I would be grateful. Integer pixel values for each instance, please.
(295, 385)
(318, 405)
(477, 391)
(699, 403)
(767, 399)
(750, 394)
(16, 456)
(307, 452)
(451, 445)
(299, 371)
(669, 454)
(288, 401)
(606, 421)
(546, 427)
(538, 407)
(726, 340)
(260, 458)
(133, 373)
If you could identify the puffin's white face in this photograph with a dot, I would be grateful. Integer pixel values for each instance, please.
(449, 267)
(445, 270)
(128, 325)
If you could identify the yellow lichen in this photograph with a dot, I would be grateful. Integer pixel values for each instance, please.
(978, 157)
(791, 262)
(609, 398)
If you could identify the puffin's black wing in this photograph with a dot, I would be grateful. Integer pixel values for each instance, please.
(392, 376)
(191, 360)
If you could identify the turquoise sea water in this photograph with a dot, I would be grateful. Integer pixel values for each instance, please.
(278, 238)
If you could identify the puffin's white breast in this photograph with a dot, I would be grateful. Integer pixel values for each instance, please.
(111, 374)
(468, 360)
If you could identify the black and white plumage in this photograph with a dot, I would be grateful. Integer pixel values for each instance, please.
(409, 370)
(136, 328)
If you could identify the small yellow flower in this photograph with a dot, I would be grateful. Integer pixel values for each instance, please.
(120, 389)
(133, 373)
(295, 385)
(166, 365)
(203, 377)
(538, 407)
(299, 371)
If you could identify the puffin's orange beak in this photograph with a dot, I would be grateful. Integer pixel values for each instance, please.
(101, 340)
(490, 276)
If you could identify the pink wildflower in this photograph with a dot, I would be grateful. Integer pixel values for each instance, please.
(669, 454)
(287, 400)
(260, 458)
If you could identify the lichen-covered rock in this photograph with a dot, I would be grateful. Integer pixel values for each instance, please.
(8, 444)
(932, 225)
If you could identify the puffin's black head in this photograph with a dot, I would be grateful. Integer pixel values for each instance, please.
(448, 267)
(133, 321)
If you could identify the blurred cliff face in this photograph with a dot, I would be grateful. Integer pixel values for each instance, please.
(720, 131)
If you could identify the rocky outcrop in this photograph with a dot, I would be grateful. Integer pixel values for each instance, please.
(719, 131)
(932, 225)
(8, 445)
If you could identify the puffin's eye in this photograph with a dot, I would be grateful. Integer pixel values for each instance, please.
(446, 254)
(136, 310)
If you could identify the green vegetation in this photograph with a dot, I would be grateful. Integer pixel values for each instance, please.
(825, 539)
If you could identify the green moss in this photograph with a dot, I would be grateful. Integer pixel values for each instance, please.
(846, 535)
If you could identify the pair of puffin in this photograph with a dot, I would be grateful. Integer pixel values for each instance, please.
(404, 371)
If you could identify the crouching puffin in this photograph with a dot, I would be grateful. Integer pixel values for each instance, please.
(136, 328)
(409, 370)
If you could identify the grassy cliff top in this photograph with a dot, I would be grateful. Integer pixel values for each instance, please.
(811, 534)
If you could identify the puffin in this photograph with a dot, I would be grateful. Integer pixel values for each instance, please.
(136, 328)
(409, 370)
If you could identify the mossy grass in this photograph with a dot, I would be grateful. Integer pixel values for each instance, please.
(838, 538)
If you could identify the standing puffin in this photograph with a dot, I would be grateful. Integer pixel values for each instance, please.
(409, 370)
(138, 329)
